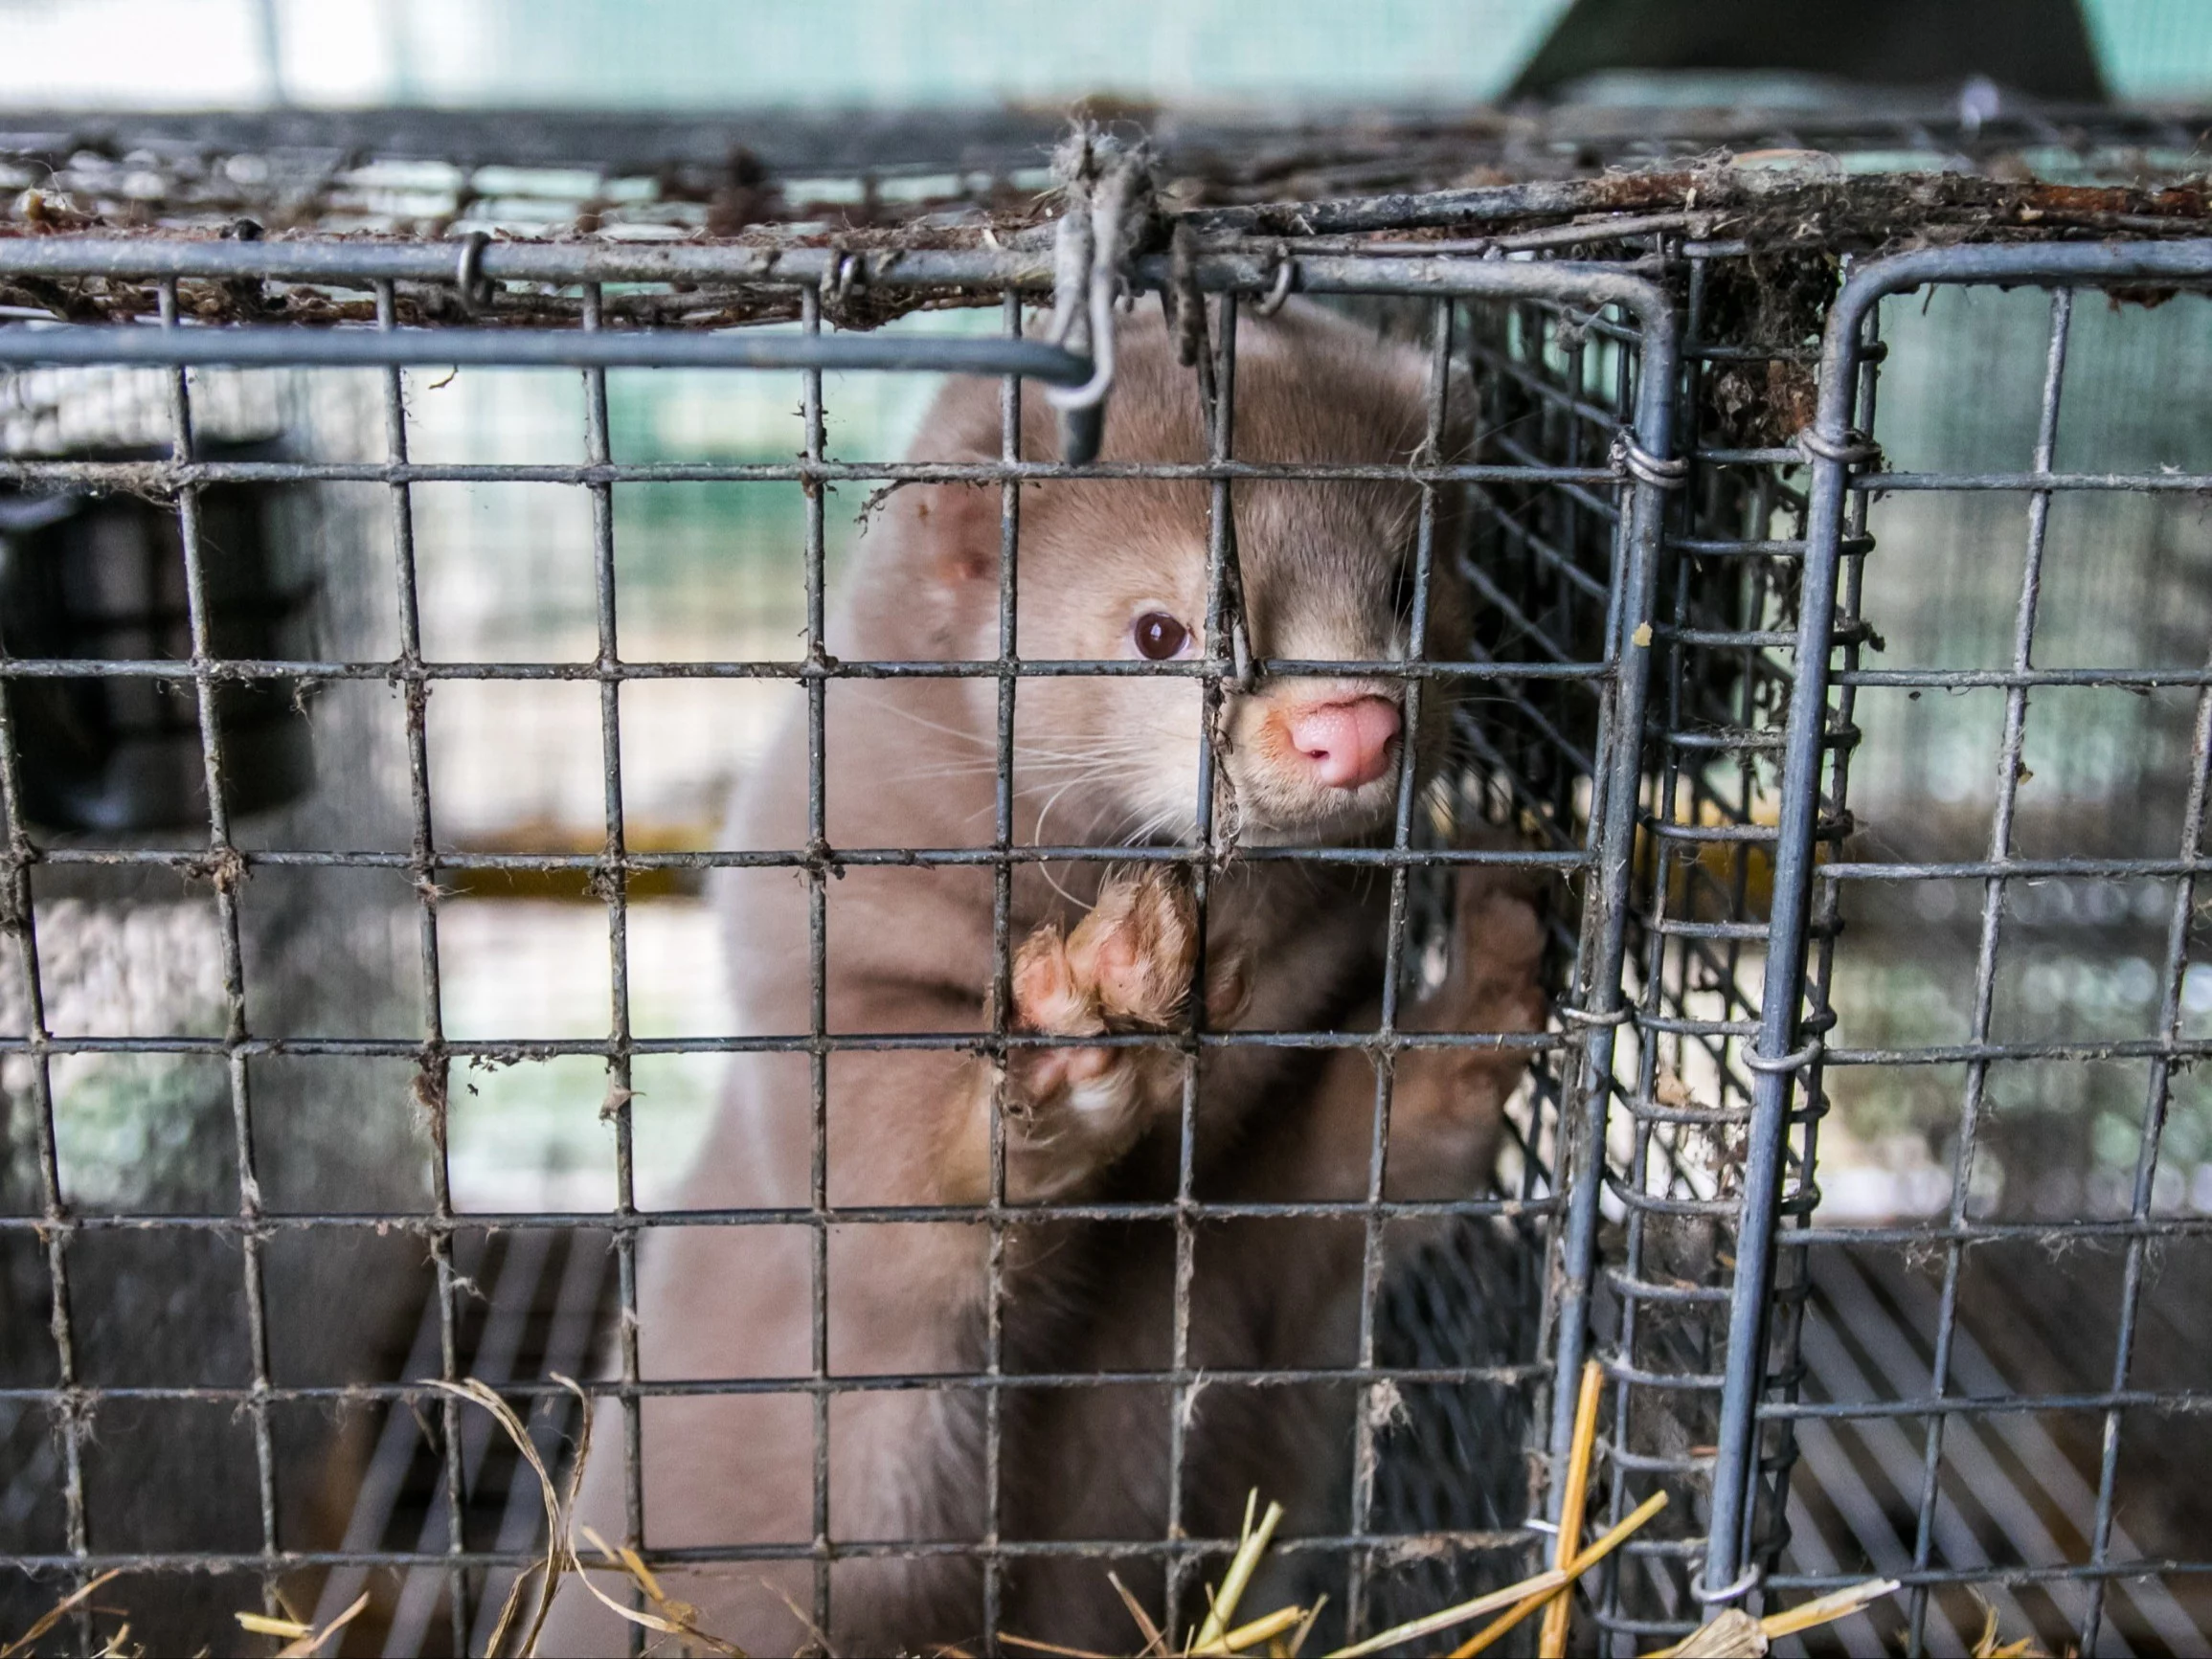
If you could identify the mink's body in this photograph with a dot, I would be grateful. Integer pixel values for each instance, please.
(1293, 947)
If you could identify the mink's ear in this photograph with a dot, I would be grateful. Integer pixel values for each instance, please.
(936, 545)
(935, 560)
(951, 533)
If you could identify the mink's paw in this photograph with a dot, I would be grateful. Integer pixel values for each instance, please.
(1494, 981)
(1126, 967)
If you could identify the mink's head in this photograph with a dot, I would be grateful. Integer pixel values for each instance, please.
(1116, 570)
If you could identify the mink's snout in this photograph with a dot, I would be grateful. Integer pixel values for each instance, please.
(1345, 744)
(1311, 760)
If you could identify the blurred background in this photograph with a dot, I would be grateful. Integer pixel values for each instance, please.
(777, 54)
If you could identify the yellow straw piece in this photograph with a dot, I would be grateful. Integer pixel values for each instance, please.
(1034, 1646)
(311, 1641)
(1546, 1582)
(1606, 1544)
(1836, 1604)
(1553, 1644)
(1241, 1567)
(1154, 1641)
(261, 1625)
(1733, 1636)
(557, 1552)
(1291, 1647)
(1729, 1636)
(1251, 1635)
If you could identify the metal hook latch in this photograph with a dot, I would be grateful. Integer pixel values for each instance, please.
(847, 272)
(1748, 1580)
(469, 273)
(1087, 280)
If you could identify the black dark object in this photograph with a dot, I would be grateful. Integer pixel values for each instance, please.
(2037, 47)
(102, 579)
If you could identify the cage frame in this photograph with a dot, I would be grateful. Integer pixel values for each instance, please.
(1647, 471)
(1845, 469)
(1444, 279)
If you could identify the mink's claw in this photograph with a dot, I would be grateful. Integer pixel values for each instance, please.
(1125, 967)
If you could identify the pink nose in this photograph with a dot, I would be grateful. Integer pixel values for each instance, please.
(1347, 744)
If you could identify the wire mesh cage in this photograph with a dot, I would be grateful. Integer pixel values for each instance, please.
(1857, 1148)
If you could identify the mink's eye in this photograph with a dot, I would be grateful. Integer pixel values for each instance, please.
(1158, 636)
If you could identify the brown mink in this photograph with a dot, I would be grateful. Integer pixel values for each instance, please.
(1108, 569)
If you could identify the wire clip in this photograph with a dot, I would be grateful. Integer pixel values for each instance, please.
(1749, 1580)
(1794, 1061)
(1853, 449)
(1631, 459)
(1584, 1018)
(847, 272)
(469, 273)
(1286, 278)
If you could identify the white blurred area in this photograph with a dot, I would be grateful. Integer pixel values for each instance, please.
(768, 54)
(707, 54)
(507, 573)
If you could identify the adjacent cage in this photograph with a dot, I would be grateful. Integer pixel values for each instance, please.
(1855, 1154)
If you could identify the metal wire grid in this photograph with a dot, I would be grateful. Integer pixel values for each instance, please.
(1552, 587)
(1635, 471)
(1697, 975)
(1710, 1154)
(1748, 696)
(1779, 1246)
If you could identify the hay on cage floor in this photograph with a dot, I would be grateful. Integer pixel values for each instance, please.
(1282, 1632)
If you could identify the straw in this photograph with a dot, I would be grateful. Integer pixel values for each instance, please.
(557, 1548)
(553, 1561)
(1298, 1638)
(1155, 1639)
(1553, 1644)
(1987, 1645)
(1036, 1646)
(1732, 1634)
(1836, 1604)
(1251, 1635)
(1249, 1545)
(1213, 1637)
(55, 1614)
(303, 1640)
(1542, 1584)
(1735, 1631)
(1609, 1541)
(311, 1642)
(674, 1619)
(261, 1625)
